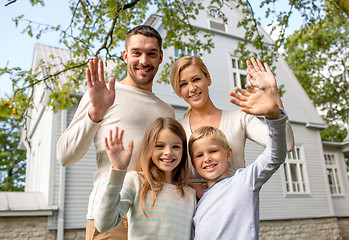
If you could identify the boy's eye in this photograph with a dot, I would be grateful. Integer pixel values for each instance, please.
(198, 155)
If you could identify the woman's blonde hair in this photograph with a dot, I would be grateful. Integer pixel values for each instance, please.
(151, 178)
(181, 64)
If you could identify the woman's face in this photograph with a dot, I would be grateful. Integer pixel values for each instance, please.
(193, 86)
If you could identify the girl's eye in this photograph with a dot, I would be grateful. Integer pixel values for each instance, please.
(196, 79)
(159, 146)
(182, 85)
(177, 146)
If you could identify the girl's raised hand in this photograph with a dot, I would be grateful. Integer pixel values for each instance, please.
(255, 102)
(118, 156)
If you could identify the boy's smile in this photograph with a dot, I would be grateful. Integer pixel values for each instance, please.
(211, 160)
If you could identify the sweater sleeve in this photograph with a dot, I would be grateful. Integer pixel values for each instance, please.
(117, 199)
(275, 153)
(257, 131)
(77, 138)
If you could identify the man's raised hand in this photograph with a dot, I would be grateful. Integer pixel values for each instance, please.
(102, 97)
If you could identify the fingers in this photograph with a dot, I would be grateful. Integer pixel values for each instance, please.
(112, 83)
(130, 147)
(101, 71)
(267, 68)
(260, 65)
(88, 78)
(257, 66)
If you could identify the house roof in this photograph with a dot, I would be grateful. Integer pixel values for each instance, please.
(58, 56)
(24, 204)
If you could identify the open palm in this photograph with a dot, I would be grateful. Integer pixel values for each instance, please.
(118, 156)
(102, 97)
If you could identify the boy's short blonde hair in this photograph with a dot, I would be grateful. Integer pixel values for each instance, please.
(207, 132)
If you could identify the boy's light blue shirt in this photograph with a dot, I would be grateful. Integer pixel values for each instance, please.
(230, 208)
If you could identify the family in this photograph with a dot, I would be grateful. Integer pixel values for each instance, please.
(161, 178)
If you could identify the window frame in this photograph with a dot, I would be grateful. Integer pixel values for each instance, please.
(236, 72)
(336, 176)
(302, 180)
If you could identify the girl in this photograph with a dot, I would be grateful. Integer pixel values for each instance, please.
(155, 197)
(190, 80)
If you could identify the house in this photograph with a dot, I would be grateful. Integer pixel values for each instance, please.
(308, 197)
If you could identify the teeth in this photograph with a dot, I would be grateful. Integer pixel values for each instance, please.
(195, 95)
(144, 70)
(167, 161)
(210, 166)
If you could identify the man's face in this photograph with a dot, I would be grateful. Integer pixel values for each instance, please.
(143, 57)
(211, 160)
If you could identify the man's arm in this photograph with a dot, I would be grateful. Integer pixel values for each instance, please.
(77, 138)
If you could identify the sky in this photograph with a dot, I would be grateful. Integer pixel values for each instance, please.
(16, 48)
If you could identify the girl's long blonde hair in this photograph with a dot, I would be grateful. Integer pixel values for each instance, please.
(151, 178)
(181, 64)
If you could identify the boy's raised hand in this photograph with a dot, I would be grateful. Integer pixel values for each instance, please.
(255, 102)
(102, 97)
(118, 156)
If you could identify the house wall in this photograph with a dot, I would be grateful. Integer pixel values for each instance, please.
(277, 204)
(340, 203)
(39, 158)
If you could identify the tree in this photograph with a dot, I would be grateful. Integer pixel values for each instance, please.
(98, 28)
(318, 54)
(12, 160)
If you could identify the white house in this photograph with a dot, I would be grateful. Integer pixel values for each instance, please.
(308, 197)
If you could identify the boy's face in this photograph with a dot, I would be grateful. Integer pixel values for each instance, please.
(211, 160)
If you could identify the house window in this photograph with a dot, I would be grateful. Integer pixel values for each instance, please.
(217, 19)
(239, 73)
(183, 52)
(294, 172)
(332, 174)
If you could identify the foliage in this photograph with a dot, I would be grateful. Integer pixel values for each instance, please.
(12, 160)
(318, 54)
(98, 28)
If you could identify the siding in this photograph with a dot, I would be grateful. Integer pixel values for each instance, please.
(276, 204)
(79, 184)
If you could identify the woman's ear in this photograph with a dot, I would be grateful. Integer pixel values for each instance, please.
(209, 80)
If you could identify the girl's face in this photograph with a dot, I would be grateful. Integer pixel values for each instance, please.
(193, 85)
(167, 153)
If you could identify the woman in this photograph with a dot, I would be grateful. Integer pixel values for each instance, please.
(190, 80)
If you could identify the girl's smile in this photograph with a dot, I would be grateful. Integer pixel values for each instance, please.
(167, 153)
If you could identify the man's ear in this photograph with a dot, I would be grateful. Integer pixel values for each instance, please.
(124, 55)
(161, 56)
(229, 154)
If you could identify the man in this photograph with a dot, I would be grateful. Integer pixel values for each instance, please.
(128, 104)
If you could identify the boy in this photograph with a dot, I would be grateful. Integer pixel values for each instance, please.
(229, 208)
